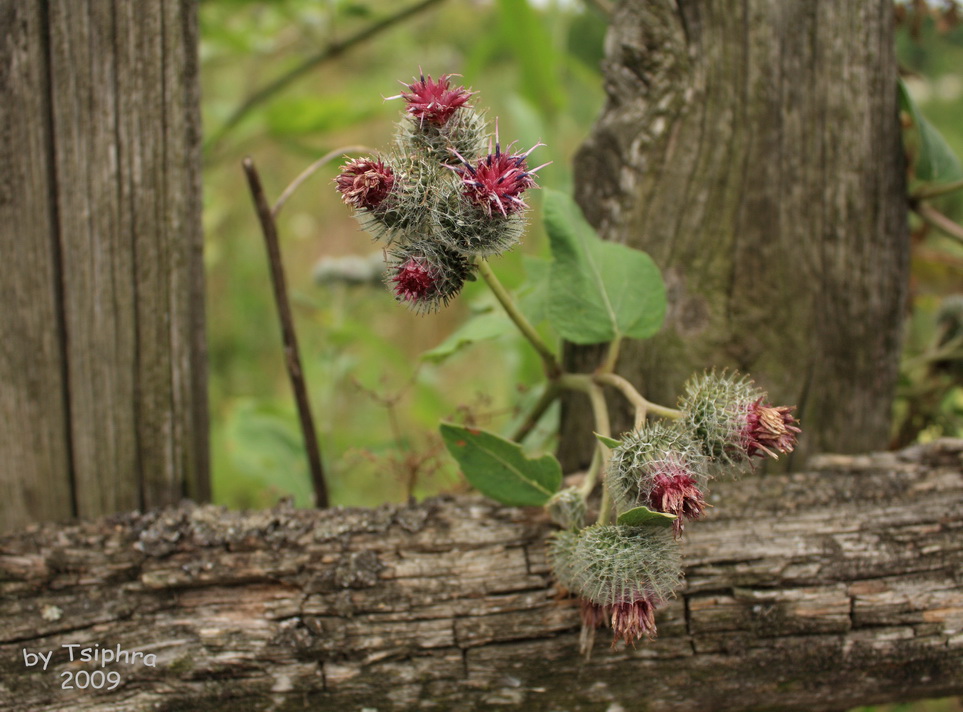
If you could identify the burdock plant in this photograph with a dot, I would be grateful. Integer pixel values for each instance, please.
(445, 199)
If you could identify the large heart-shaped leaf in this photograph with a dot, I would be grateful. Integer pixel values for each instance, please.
(936, 161)
(598, 290)
(499, 469)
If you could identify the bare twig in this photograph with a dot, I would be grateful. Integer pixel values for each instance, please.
(934, 191)
(330, 52)
(292, 356)
(934, 217)
(311, 170)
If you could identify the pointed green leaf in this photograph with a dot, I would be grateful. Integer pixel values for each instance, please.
(598, 290)
(645, 517)
(499, 469)
(610, 443)
(482, 327)
(534, 300)
(936, 161)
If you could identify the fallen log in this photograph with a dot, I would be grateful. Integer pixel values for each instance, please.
(816, 590)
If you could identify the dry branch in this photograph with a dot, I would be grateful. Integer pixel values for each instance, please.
(812, 591)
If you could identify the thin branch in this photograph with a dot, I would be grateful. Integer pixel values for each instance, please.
(634, 397)
(292, 356)
(934, 191)
(330, 52)
(552, 367)
(932, 216)
(549, 396)
(311, 170)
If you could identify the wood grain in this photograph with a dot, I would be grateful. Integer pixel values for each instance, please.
(818, 590)
(753, 149)
(102, 312)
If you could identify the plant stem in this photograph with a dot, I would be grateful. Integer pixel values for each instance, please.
(552, 368)
(292, 358)
(549, 395)
(636, 398)
(612, 356)
(310, 171)
(332, 51)
(934, 217)
(934, 191)
(600, 413)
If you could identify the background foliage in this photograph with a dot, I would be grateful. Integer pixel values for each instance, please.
(377, 401)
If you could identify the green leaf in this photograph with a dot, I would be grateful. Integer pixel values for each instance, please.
(608, 442)
(598, 290)
(936, 161)
(534, 301)
(499, 469)
(482, 327)
(645, 517)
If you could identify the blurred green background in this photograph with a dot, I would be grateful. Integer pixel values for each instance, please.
(376, 401)
(536, 66)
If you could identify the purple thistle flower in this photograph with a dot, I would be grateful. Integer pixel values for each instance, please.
(415, 280)
(496, 182)
(365, 182)
(433, 101)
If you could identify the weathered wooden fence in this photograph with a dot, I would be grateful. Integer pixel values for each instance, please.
(102, 382)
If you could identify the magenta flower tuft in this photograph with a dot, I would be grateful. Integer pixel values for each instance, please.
(365, 182)
(496, 182)
(434, 101)
(415, 280)
(677, 493)
(769, 428)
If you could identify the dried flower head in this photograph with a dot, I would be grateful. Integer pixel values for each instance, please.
(661, 467)
(433, 101)
(364, 183)
(626, 573)
(495, 182)
(425, 276)
(731, 419)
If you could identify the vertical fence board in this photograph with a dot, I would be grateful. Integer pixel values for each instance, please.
(34, 447)
(119, 216)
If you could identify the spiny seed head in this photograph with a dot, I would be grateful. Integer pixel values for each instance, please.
(424, 277)
(609, 565)
(364, 183)
(731, 419)
(660, 467)
(470, 231)
(626, 573)
(567, 508)
(434, 102)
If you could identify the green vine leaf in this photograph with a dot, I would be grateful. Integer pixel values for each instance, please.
(499, 469)
(486, 326)
(599, 290)
(936, 161)
(645, 517)
(610, 443)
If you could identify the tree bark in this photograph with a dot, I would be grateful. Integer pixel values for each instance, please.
(812, 591)
(753, 149)
(102, 382)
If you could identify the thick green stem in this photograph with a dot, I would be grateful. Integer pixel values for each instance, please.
(552, 368)
(933, 191)
(600, 413)
(638, 401)
(549, 395)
